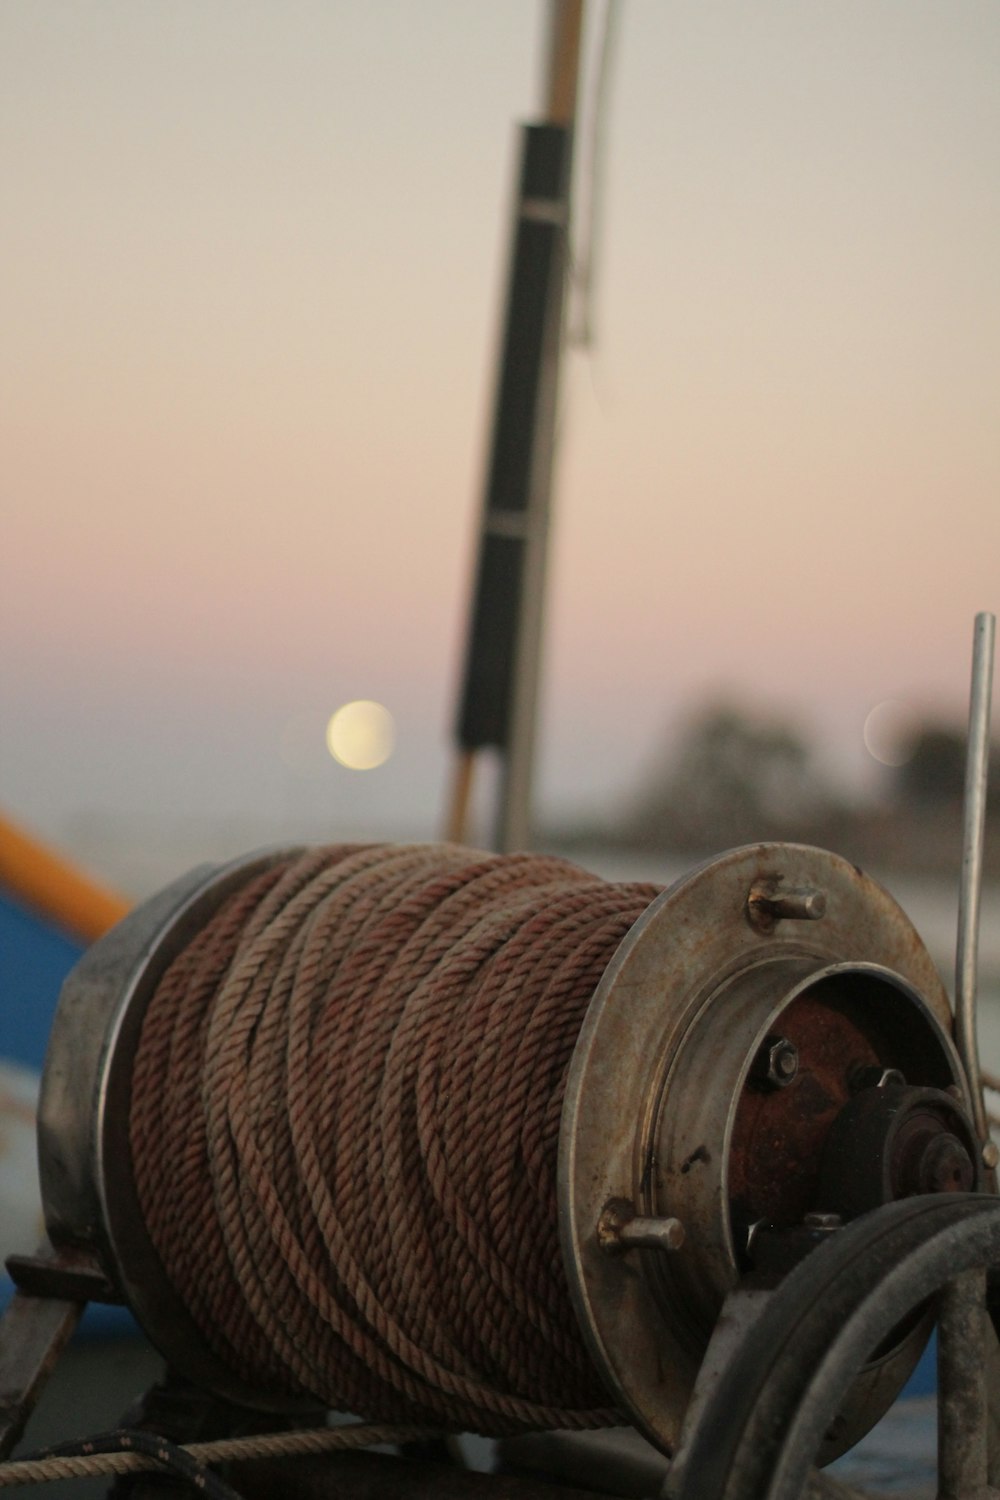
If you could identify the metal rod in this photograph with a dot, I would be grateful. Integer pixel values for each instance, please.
(33, 1333)
(962, 1396)
(970, 889)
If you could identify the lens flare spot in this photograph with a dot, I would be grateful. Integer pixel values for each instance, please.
(361, 735)
(887, 732)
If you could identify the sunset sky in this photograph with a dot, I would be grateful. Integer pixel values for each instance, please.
(253, 261)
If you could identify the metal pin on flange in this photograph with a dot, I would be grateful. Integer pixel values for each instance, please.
(767, 904)
(620, 1228)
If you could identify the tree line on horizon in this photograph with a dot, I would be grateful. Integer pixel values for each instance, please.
(733, 776)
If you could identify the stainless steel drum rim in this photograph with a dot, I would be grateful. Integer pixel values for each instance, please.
(696, 942)
(88, 1188)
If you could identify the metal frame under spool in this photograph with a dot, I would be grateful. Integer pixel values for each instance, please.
(88, 1189)
(774, 1380)
(654, 1088)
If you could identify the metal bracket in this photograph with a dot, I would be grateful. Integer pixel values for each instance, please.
(68, 1275)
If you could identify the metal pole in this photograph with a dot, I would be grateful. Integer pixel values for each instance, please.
(563, 68)
(962, 1395)
(500, 680)
(970, 889)
(513, 829)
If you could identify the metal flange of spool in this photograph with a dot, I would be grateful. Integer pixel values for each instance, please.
(85, 1164)
(772, 965)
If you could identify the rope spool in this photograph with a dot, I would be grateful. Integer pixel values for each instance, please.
(484, 1142)
(345, 1123)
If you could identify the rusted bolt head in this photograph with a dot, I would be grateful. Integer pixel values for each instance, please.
(781, 1062)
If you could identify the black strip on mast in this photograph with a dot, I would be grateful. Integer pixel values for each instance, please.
(520, 434)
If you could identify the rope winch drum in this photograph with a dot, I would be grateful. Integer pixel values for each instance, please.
(485, 1140)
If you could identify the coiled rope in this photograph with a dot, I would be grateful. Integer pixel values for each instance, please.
(345, 1122)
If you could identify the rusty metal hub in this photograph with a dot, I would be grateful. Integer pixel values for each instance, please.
(895, 1142)
(846, 1029)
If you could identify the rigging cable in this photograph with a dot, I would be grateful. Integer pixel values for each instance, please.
(584, 262)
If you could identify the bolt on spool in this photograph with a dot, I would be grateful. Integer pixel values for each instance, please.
(769, 902)
(620, 1228)
(776, 1064)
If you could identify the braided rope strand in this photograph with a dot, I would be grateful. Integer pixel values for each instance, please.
(129, 1452)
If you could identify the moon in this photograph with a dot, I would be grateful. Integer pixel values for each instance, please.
(361, 735)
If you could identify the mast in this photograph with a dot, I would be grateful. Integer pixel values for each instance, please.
(498, 701)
